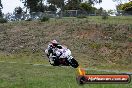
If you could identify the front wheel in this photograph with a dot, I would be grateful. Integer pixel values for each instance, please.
(54, 61)
(74, 63)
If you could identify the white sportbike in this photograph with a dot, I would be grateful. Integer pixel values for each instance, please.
(62, 56)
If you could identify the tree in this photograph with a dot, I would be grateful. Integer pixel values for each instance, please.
(87, 7)
(1, 5)
(41, 7)
(34, 5)
(73, 5)
(57, 3)
(0, 9)
(52, 8)
(18, 10)
(125, 6)
(1, 14)
(120, 1)
(93, 1)
(110, 12)
(18, 13)
(100, 11)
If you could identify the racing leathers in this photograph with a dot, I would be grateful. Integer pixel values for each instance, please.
(51, 51)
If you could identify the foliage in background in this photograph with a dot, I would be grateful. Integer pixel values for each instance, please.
(110, 12)
(125, 6)
(3, 20)
(120, 1)
(30, 19)
(44, 19)
(73, 5)
(87, 7)
(81, 4)
(38, 5)
(93, 1)
(34, 5)
(52, 8)
(1, 14)
(18, 10)
(99, 11)
(1, 6)
(56, 3)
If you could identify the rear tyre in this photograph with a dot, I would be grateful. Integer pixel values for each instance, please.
(74, 63)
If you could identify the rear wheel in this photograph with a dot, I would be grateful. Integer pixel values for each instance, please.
(74, 63)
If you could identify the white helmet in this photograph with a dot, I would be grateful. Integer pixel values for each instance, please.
(54, 42)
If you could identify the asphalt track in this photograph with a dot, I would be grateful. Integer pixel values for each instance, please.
(46, 65)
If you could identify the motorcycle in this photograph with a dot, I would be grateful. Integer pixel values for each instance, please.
(62, 57)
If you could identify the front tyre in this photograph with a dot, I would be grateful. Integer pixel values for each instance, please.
(74, 63)
(54, 61)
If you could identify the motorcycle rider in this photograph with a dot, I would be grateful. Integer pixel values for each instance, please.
(52, 47)
(56, 52)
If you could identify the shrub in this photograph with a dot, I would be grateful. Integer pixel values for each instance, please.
(44, 19)
(30, 19)
(104, 17)
(3, 20)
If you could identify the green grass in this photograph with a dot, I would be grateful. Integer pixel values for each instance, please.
(41, 58)
(22, 75)
(27, 57)
(29, 76)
